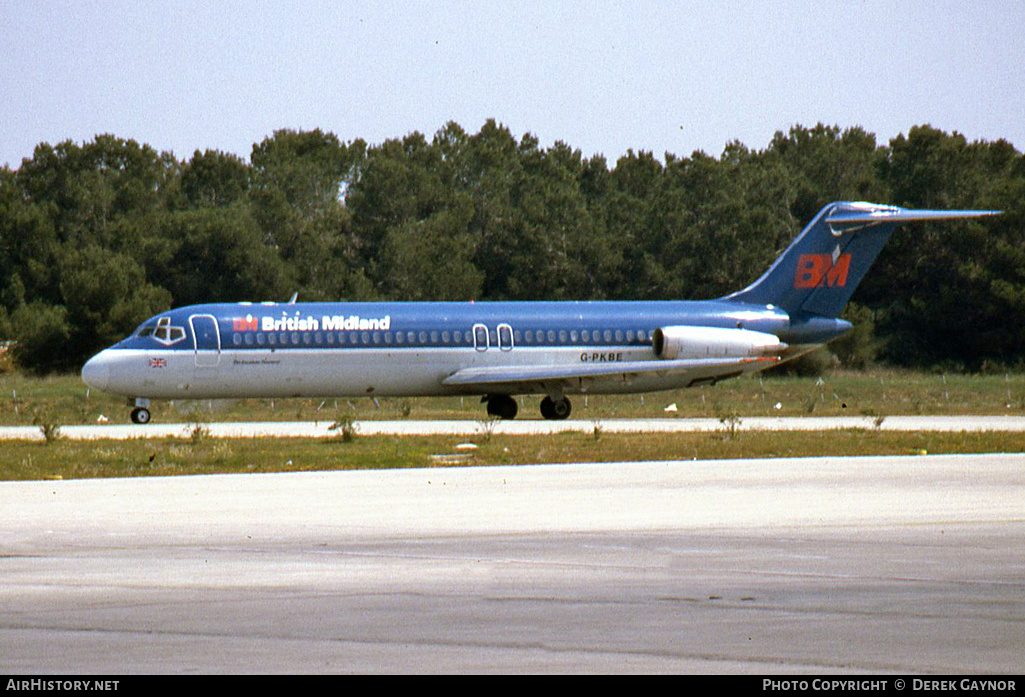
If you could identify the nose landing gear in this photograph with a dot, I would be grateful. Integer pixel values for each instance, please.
(140, 414)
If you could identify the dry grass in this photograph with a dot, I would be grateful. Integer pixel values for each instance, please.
(205, 455)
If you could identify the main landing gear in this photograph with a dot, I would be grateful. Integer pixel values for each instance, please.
(556, 409)
(503, 406)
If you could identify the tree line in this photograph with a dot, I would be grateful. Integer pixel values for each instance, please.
(96, 237)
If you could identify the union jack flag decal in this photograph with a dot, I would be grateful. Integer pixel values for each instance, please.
(158, 363)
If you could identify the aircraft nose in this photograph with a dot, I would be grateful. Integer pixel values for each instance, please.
(96, 371)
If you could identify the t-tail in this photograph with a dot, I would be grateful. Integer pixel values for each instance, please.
(819, 271)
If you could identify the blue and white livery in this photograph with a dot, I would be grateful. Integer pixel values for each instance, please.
(501, 349)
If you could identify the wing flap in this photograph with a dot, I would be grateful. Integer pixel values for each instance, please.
(701, 369)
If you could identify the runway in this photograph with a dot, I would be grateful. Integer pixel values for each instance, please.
(821, 565)
(464, 427)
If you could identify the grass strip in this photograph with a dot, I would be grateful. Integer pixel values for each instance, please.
(202, 454)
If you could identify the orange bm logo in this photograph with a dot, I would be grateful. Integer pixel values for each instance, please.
(820, 271)
(244, 324)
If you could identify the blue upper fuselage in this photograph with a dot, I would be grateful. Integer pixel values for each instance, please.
(367, 324)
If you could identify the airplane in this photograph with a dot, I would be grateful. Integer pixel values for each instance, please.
(497, 350)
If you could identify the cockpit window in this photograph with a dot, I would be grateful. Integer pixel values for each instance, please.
(163, 331)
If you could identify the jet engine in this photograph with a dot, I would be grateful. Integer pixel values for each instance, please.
(713, 342)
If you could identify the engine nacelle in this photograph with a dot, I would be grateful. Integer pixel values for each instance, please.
(713, 342)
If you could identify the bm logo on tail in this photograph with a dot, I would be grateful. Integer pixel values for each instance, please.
(822, 271)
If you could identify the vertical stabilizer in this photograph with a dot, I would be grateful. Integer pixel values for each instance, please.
(819, 271)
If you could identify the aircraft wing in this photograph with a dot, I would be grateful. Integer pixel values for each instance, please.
(698, 369)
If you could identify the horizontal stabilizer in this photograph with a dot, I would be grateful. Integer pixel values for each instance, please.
(854, 216)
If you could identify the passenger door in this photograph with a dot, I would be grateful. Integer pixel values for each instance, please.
(206, 340)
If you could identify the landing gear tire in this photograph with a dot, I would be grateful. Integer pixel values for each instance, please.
(140, 415)
(556, 409)
(503, 406)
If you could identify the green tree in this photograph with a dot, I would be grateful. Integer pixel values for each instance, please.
(41, 333)
(92, 187)
(299, 183)
(106, 296)
(826, 164)
(432, 259)
(949, 293)
(213, 179)
(215, 255)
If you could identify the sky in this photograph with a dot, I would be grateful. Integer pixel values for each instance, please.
(602, 77)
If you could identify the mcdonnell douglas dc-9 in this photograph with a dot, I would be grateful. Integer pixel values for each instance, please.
(501, 349)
